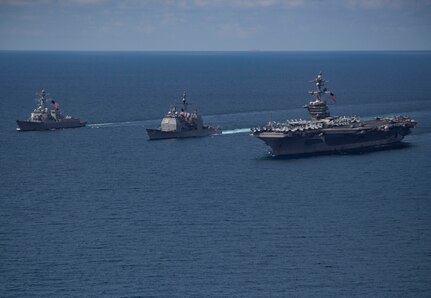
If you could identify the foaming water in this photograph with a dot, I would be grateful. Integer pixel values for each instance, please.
(117, 124)
(235, 131)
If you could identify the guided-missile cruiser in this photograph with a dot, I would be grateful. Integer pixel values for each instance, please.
(182, 124)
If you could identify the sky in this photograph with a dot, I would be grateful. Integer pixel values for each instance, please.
(215, 25)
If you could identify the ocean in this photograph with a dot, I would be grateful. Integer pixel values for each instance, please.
(102, 211)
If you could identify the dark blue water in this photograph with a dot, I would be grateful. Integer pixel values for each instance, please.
(101, 211)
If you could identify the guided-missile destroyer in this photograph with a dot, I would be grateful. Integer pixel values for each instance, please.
(326, 133)
(182, 124)
(44, 119)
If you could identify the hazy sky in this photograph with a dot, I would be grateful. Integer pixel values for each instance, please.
(215, 25)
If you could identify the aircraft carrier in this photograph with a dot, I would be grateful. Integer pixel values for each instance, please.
(325, 133)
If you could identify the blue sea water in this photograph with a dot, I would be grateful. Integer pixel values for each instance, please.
(102, 211)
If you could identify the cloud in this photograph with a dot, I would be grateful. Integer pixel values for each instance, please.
(373, 4)
(160, 4)
(391, 4)
(49, 2)
(170, 19)
(227, 3)
(24, 2)
(86, 2)
(144, 28)
(237, 31)
(266, 3)
(186, 4)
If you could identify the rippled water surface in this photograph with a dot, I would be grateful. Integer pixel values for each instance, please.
(102, 211)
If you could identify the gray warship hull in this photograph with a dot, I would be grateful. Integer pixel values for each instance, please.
(157, 134)
(334, 140)
(26, 125)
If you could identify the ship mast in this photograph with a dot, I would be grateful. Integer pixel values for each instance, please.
(321, 89)
(42, 99)
(184, 101)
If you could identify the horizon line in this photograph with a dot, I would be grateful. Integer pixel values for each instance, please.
(216, 51)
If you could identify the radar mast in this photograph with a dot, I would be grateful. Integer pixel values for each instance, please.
(320, 89)
(184, 101)
(42, 98)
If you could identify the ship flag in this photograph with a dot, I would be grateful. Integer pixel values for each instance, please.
(55, 105)
(333, 97)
